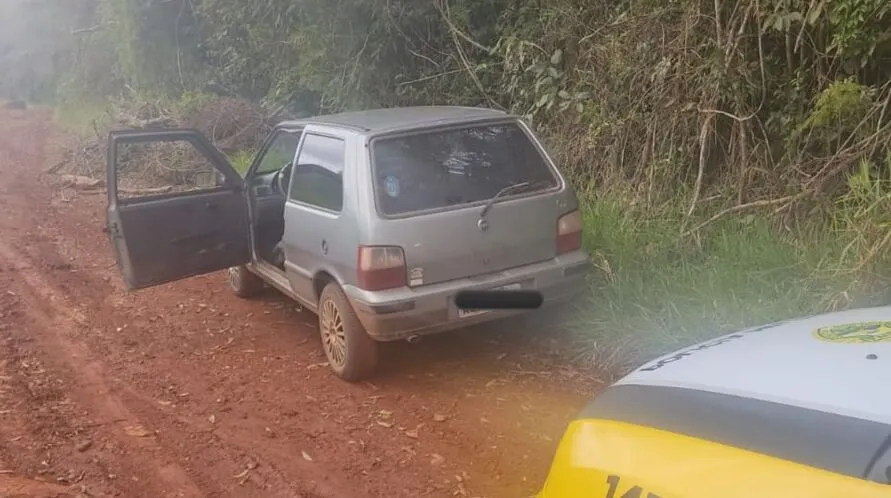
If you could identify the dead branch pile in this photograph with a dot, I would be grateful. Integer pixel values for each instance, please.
(231, 124)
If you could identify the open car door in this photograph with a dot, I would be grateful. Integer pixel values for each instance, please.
(176, 207)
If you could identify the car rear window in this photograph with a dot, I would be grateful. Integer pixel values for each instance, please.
(455, 167)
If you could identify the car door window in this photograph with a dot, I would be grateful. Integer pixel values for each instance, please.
(317, 179)
(167, 166)
(280, 152)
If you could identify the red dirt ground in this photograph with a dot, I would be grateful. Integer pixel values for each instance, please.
(185, 390)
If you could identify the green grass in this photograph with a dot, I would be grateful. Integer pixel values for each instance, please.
(81, 117)
(241, 161)
(653, 292)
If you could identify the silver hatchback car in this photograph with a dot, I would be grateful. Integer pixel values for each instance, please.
(373, 220)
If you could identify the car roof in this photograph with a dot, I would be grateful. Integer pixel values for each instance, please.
(384, 120)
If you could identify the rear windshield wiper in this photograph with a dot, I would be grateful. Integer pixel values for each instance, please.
(502, 193)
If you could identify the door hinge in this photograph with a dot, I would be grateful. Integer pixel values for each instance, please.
(112, 230)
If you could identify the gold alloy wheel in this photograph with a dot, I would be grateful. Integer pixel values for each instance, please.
(234, 278)
(333, 337)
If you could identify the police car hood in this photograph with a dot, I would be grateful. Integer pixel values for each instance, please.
(838, 363)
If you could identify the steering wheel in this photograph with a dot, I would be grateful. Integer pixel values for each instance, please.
(282, 178)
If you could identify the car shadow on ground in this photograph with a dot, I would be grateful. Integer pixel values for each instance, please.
(488, 349)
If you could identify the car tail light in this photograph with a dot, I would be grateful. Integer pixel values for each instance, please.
(569, 232)
(381, 267)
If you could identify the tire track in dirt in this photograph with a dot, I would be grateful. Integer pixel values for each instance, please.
(54, 319)
(51, 320)
(21, 456)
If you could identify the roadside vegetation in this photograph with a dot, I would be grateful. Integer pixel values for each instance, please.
(732, 158)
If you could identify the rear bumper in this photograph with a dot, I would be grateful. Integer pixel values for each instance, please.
(401, 313)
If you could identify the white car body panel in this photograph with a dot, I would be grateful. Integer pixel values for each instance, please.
(788, 363)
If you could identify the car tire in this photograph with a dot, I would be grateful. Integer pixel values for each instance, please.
(244, 283)
(351, 352)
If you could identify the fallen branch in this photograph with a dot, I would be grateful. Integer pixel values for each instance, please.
(78, 182)
(741, 207)
(128, 191)
(430, 77)
(728, 115)
(703, 157)
(56, 167)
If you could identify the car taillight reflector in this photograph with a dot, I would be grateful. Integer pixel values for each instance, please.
(569, 232)
(380, 267)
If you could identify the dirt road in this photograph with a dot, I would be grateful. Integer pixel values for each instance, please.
(187, 391)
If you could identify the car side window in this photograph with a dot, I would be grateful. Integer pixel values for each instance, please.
(280, 152)
(317, 179)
